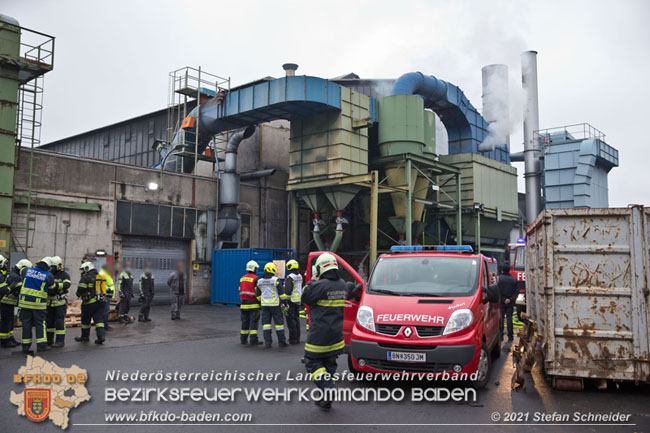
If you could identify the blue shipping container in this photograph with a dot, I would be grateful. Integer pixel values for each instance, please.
(229, 265)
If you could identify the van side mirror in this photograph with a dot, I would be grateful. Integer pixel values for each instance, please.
(491, 294)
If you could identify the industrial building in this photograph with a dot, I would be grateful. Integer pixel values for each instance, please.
(344, 164)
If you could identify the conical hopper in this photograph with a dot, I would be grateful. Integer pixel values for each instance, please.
(315, 199)
(340, 196)
(396, 176)
(420, 191)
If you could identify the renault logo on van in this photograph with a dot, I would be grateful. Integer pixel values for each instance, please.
(408, 332)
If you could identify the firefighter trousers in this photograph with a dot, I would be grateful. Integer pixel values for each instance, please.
(95, 312)
(33, 319)
(250, 319)
(293, 322)
(56, 323)
(319, 367)
(506, 311)
(6, 321)
(273, 314)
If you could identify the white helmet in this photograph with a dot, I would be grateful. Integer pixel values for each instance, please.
(57, 263)
(325, 262)
(3, 261)
(47, 261)
(87, 267)
(24, 263)
(252, 266)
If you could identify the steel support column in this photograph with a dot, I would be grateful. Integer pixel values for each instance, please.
(459, 214)
(408, 224)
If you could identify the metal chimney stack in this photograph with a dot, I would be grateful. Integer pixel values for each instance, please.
(531, 146)
(290, 69)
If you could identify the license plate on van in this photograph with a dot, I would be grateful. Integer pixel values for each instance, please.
(407, 356)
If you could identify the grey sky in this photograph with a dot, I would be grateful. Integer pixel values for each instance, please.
(112, 57)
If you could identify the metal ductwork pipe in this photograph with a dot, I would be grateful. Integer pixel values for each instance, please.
(228, 222)
(416, 83)
(531, 146)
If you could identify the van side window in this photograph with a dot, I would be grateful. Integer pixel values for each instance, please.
(486, 275)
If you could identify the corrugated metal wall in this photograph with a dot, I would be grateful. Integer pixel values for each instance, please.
(127, 142)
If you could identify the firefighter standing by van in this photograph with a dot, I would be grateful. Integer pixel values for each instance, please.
(9, 302)
(32, 301)
(146, 285)
(57, 304)
(92, 291)
(326, 301)
(293, 291)
(125, 286)
(269, 292)
(250, 306)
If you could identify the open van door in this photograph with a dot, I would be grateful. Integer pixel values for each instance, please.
(349, 274)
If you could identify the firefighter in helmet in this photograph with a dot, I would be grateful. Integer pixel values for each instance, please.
(326, 301)
(92, 291)
(32, 301)
(57, 304)
(293, 291)
(250, 306)
(269, 292)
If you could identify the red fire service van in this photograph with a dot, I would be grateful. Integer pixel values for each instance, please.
(424, 309)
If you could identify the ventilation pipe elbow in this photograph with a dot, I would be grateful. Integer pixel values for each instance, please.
(416, 83)
(233, 146)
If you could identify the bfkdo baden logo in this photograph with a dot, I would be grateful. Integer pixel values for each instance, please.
(50, 391)
(37, 403)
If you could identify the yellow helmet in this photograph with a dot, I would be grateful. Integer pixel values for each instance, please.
(292, 264)
(270, 268)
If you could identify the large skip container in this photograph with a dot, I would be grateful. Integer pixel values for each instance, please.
(587, 288)
(229, 265)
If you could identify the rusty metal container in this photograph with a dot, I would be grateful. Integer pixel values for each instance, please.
(587, 276)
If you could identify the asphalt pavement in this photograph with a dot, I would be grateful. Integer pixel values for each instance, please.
(207, 340)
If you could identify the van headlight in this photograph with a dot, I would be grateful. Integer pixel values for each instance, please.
(459, 320)
(365, 318)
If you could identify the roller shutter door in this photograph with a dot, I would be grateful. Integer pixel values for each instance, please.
(161, 253)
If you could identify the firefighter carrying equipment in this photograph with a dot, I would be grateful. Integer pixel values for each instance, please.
(270, 268)
(90, 288)
(325, 262)
(252, 266)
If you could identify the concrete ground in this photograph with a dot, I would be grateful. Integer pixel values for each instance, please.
(207, 338)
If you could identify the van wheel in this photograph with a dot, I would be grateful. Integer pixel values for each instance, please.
(484, 368)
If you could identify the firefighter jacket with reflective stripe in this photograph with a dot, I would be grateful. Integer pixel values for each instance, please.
(125, 282)
(293, 287)
(91, 288)
(268, 290)
(56, 297)
(4, 287)
(14, 284)
(146, 284)
(247, 293)
(108, 281)
(36, 284)
(326, 301)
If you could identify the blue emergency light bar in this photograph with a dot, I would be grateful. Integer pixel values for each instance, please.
(424, 248)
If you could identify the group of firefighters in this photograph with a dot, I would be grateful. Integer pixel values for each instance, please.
(40, 292)
(324, 296)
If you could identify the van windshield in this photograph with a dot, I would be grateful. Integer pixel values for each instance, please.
(425, 276)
